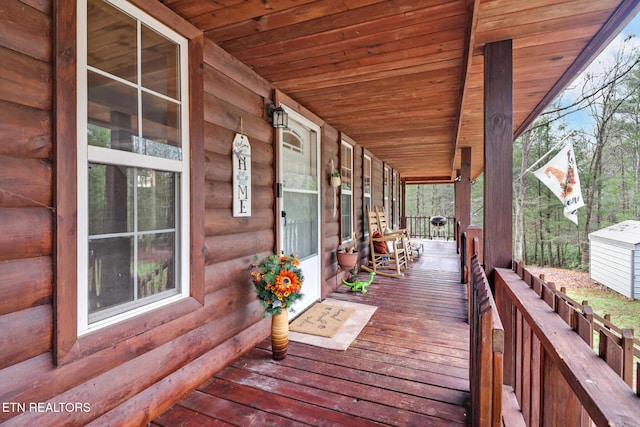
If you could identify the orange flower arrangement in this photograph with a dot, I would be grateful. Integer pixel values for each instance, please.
(277, 280)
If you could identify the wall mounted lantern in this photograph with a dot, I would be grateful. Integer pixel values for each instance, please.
(280, 118)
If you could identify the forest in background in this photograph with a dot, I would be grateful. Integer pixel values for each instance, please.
(607, 150)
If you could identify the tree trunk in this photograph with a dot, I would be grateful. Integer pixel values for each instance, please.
(520, 191)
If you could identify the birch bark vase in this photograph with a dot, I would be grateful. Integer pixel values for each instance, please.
(280, 334)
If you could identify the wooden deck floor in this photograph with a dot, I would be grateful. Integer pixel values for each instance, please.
(408, 367)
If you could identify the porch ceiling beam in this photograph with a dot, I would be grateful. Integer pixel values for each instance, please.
(427, 180)
(470, 33)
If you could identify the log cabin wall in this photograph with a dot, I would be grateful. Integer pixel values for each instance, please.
(134, 380)
(330, 222)
(26, 195)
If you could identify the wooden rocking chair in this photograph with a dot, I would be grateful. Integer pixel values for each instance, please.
(387, 252)
(402, 233)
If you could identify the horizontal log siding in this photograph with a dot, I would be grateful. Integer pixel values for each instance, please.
(159, 358)
(26, 80)
(25, 283)
(25, 190)
(26, 131)
(27, 29)
(26, 215)
(144, 369)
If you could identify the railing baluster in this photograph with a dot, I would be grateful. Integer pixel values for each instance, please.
(638, 379)
(553, 384)
(487, 347)
(627, 356)
(549, 294)
(583, 324)
(420, 227)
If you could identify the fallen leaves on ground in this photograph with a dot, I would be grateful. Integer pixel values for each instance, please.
(567, 278)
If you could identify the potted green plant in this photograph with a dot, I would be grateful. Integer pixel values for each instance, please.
(335, 179)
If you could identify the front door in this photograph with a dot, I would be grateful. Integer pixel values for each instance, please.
(299, 203)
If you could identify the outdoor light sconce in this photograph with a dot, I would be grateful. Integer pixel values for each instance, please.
(280, 118)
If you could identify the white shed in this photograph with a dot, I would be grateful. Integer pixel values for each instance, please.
(614, 259)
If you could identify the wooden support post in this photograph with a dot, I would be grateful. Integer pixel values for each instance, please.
(498, 156)
(465, 188)
(463, 194)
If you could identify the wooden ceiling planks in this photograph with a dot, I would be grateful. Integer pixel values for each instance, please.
(314, 18)
(404, 78)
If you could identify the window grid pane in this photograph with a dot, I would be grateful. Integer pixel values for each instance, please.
(346, 167)
(367, 176)
(386, 189)
(347, 231)
(131, 88)
(134, 114)
(138, 230)
(346, 198)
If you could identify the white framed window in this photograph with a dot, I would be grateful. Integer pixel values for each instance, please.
(394, 199)
(346, 195)
(385, 190)
(133, 164)
(366, 184)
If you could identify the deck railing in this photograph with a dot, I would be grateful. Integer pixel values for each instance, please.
(470, 243)
(556, 377)
(617, 346)
(420, 227)
(487, 348)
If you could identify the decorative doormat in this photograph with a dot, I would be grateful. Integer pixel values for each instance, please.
(322, 319)
(346, 334)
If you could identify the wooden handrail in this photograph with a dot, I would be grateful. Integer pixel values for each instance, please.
(557, 378)
(421, 227)
(600, 322)
(470, 243)
(487, 348)
(617, 346)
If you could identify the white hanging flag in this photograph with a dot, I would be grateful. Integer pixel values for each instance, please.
(561, 176)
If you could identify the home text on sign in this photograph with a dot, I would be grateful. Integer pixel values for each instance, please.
(241, 156)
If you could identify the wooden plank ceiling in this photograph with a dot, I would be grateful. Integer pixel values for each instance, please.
(404, 78)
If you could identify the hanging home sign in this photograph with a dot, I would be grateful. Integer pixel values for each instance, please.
(241, 155)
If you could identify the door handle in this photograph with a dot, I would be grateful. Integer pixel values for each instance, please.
(283, 214)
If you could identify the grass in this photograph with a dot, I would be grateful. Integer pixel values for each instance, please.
(625, 313)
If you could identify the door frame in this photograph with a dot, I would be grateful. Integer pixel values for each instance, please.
(317, 128)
